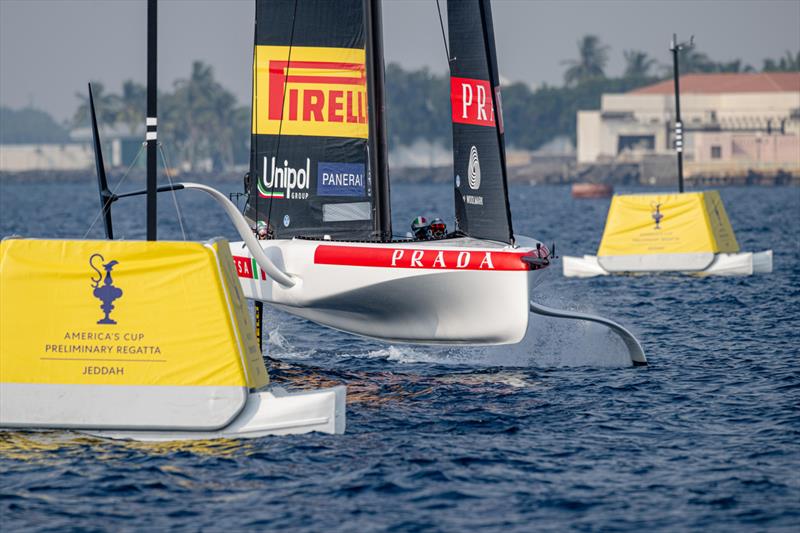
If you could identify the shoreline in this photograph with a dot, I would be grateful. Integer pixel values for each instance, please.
(516, 175)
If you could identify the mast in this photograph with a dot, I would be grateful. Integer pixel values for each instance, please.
(675, 48)
(106, 197)
(479, 167)
(318, 115)
(378, 160)
(494, 81)
(152, 122)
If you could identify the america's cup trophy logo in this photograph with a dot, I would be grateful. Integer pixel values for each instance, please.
(657, 214)
(106, 293)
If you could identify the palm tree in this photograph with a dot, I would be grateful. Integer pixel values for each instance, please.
(735, 65)
(199, 117)
(131, 110)
(792, 63)
(591, 62)
(637, 64)
(693, 61)
(788, 63)
(106, 106)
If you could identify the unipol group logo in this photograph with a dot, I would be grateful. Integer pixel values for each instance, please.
(106, 293)
(312, 91)
(284, 181)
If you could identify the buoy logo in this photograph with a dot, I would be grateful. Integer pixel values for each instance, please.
(474, 169)
(106, 293)
(657, 215)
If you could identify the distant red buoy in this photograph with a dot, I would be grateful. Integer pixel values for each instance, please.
(592, 190)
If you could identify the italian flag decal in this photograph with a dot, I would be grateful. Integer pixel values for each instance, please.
(246, 267)
(263, 193)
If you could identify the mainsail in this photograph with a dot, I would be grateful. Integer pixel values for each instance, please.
(481, 191)
(313, 168)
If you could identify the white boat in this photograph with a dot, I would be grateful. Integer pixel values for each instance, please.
(319, 181)
(453, 291)
(319, 186)
(331, 256)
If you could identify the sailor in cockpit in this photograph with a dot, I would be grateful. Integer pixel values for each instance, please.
(422, 230)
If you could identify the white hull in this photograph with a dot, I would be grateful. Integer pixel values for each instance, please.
(454, 291)
(739, 264)
(271, 412)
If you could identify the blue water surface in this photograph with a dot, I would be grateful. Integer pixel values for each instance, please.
(555, 433)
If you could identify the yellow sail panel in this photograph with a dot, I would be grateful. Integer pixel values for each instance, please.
(654, 224)
(116, 313)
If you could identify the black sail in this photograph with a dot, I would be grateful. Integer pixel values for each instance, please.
(481, 190)
(309, 165)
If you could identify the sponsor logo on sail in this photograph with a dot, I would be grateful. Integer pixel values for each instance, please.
(340, 179)
(474, 169)
(284, 181)
(318, 91)
(471, 101)
(473, 177)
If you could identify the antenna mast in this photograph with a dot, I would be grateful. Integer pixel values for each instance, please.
(675, 48)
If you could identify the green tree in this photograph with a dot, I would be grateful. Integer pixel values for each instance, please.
(418, 105)
(29, 126)
(591, 62)
(788, 63)
(693, 61)
(637, 64)
(106, 106)
(131, 106)
(199, 118)
(734, 65)
(240, 121)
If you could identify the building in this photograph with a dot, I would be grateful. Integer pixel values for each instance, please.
(733, 123)
(120, 149)
(28, 157)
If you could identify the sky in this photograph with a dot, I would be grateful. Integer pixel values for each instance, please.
(49, 49)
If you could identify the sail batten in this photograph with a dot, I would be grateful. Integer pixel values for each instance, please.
(479, 167)
(310, 156)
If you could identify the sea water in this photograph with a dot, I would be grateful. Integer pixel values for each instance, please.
(555, 433)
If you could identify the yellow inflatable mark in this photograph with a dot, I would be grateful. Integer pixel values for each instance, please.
(124, 313)
(648, 224)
